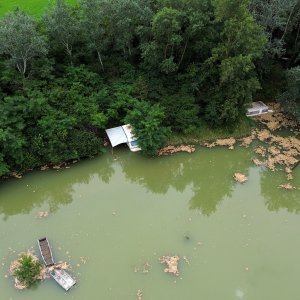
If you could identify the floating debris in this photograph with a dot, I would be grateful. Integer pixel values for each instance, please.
(16, 175)
(43, 214)
(263, 135)
(145, 268)
(287, 186)
(239, 177)
(172, 263)
(230, 142)
(174, 149)
(44, 168)
(258, 162)
(139, 295)
(83, 259)
(277, 119)
(186, 260)
(261, 151)
(247, 141)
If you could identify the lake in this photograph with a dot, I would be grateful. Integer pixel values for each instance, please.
(114, 216)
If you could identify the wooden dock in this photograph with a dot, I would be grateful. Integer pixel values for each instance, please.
(46, 251)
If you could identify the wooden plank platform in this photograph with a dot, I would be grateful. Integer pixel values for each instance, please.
(46, 251)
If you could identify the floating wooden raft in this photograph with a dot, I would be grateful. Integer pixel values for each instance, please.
(63, 278)
(46, 252)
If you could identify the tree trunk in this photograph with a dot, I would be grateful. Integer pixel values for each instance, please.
(292, 14)
(183, 52)
(100, 60)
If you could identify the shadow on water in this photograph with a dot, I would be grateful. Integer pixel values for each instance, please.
(208, 173)
(277, 198)
(55, 189)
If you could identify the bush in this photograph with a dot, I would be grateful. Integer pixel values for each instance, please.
(28, 271)
(146, 120)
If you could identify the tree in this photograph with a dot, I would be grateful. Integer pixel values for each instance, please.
(278, 18)
(146, 120)
(128, 17)
(232, 79)
(290, 99)
(20, 40)
(63, 27)
(180, 33)
(95, 25)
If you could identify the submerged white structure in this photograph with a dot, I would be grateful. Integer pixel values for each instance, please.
(257, 108)
(123, 134)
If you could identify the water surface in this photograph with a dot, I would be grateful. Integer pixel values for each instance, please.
(122, 211)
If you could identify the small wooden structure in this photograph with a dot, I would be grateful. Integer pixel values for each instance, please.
(46, 252)
(63, 278)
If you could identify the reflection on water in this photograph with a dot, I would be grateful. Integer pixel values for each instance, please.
(123, 210)
(207, 173)
(21, 196)
(277, 198)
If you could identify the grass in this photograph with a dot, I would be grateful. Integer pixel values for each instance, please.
(206, 134)
(35, 8)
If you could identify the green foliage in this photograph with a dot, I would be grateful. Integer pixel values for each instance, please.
(183, 117)
(231, 64)
(146, 120)
(63, 27)
(160, 65)
(20, 41)
(290, 99)
(181, 30)
(28, 271)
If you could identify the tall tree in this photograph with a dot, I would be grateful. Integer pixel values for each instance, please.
(95, 26)
(233, 80)
(279, 18)
(63, 26)
(20, 40)
(180, 31)
(290, 99)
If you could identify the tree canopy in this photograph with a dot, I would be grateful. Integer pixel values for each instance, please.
(166, 66)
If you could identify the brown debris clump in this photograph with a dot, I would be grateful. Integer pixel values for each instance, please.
(261, 151)
(247, 141)
(264, 135)
(258, 162)
(239, 177)
(174, 149)
(277, 119)
(43, 214)
(16, 175)
(145, 268)
(273, 150)
(230, 142)
(287, 186)
(172, 264)
(283, 151)
(139, 295)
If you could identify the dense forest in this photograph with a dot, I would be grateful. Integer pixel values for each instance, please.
(165, 66)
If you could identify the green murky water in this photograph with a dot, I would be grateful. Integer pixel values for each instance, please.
(122, 211)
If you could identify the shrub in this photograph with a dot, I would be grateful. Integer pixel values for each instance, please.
(28, 271)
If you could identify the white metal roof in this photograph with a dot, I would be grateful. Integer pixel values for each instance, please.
(123, 134)
(116, 136)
